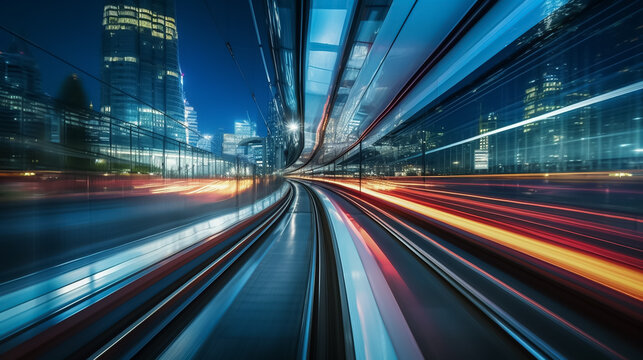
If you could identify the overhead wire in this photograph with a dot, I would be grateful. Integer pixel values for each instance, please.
(236, 62)
(87, 73)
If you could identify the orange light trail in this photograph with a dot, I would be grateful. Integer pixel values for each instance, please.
(516, 223)
(496, 280)
(218, 187)
(553, 207)
(618, 277)
(548, 217)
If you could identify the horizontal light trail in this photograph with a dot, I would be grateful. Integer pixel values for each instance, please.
(547, 220)
(623, 279)
(531, 186)
(543, 219)
(553, 207)
(505, 218)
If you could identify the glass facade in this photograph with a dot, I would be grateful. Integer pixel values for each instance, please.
(141, 66)
(563, 97)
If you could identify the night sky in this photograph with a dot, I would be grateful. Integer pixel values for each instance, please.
(72, 30)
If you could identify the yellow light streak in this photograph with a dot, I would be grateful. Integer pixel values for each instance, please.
(621, 278)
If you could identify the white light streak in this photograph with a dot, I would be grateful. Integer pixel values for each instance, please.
(600, 98)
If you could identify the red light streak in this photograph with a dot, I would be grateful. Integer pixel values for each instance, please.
(492, 278)
(615, 275)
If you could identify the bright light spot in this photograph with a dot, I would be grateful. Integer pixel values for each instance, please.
(620, 174)
(293, 126)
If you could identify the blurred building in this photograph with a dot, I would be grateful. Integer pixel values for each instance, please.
(217, 143)
(253, 151)
(243, 129)
(538, 150)
(79, 128)
(18, 69)
(205, 143)
(486, 145)
(141, 66)
(192, 131)
(246, 146)
(25, 115)
(275, 141)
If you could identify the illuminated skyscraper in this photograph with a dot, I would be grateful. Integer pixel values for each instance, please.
(141, 65)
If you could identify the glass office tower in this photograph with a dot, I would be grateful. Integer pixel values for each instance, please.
(141, 66)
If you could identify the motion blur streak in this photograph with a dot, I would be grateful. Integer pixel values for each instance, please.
(423, 186)
(49, 184)
(625, 279)
(497, 281)
(518, 224)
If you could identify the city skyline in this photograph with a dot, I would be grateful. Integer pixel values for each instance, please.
(197, 57)
(143, 122)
